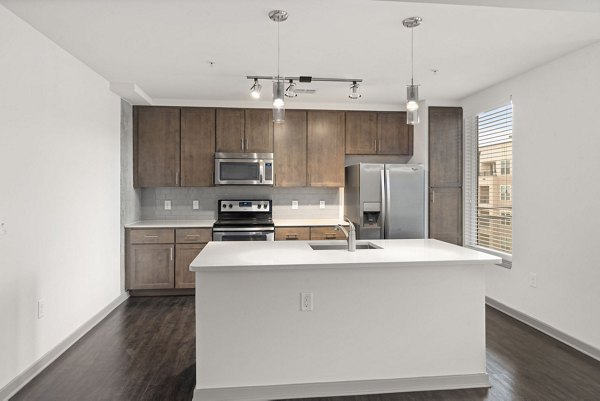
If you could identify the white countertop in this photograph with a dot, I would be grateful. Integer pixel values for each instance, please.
(171, 224)
(273, 255)
(209, 223)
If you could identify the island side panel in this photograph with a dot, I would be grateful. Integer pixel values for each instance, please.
(368, 323)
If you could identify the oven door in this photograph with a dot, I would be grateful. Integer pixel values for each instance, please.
(243, 235)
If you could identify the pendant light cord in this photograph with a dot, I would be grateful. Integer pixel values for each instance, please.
(412, 55)
(278, 50)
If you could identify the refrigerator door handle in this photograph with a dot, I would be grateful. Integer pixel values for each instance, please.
(383, 206)
(387, 200)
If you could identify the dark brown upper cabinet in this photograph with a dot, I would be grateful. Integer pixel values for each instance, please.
(258, 132)
(244, 130)
(325, 148)
(230, 130)
(361, 132)
(197, 147)
(394, 136)
(290, 150)
(378, 133)
(156, 146)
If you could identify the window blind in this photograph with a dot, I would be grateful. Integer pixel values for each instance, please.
(488, 180)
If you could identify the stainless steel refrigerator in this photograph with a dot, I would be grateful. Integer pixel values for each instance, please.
(386, 200)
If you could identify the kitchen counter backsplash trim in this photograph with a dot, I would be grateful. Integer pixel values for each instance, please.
(209, 223)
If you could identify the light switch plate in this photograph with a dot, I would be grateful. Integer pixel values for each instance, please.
(322, 205)
(167, 205)
(195, 205)
(294, 204)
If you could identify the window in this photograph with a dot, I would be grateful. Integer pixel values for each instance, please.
(484, 194)
(488, 181)
(505, 167)
(505, 192)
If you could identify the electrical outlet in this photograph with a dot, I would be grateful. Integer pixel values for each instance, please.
(167, 205)
(306, 301)
(2, 227)
(41, 308)
(195, 205)
(533, 279)
(294, 204)
(322, 204)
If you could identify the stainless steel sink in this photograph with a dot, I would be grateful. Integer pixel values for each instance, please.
(342, 247)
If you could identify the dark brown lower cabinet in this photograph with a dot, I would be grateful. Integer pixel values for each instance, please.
(445, 214)
(160, 258)
(151, 266)
(186, 253)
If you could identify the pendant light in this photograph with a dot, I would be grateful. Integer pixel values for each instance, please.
(412, 90)
(278, 85)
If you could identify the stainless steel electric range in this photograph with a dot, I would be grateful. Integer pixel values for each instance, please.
(244, 220)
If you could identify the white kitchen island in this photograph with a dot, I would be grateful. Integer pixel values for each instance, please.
(407, 317)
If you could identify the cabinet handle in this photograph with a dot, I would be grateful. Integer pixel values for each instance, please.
(275, 179)
(242, 143)
(308, 178)
(150, 236)
(292, 236)
(375, 145)
(432, 196)
(177, 177)
(171, 254)
(192, 235)
(330, 235)
(247, 145)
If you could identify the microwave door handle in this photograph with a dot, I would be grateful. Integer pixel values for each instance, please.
(261, 171)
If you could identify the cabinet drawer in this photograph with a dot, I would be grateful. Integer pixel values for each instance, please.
(193, 235)
(153, 236)
(292, 233)
(325, 233)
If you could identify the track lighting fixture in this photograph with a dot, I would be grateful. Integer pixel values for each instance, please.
(255, 89)
(354, 94)
(412, 90)
(279, 90)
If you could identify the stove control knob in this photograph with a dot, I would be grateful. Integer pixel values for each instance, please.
(230, 205)
(224, 206)
(259, 206)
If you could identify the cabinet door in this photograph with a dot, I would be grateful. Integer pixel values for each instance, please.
(394, 136)
(197, 147)
(156, 147)
(150, 267)
(258, 131)
(230, 130)
(326, 233)
(292, 233)
(361, 133)
(290, 150)
(186, 253)
(445, 214)
(326, 148)
(445, 146)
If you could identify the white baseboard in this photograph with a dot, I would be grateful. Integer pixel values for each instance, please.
(328, 389)
(571, 341)
(38, 366)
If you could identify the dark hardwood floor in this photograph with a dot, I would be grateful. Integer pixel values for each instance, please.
(145, 350)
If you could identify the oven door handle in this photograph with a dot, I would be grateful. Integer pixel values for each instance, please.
(250, 230)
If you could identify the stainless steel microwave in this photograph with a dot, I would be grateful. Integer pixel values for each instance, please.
(244, 168)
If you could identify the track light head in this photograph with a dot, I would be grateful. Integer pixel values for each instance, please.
(354, 94)
(255, 89)
(291, 90)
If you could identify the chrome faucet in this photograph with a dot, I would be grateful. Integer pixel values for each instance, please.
(350, 234)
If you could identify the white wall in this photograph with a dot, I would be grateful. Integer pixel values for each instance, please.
(59, 194)
(556, 190)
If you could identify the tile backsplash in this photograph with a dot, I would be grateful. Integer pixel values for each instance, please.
(153, 200)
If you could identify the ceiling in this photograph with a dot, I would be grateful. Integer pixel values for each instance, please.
(199, 52)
